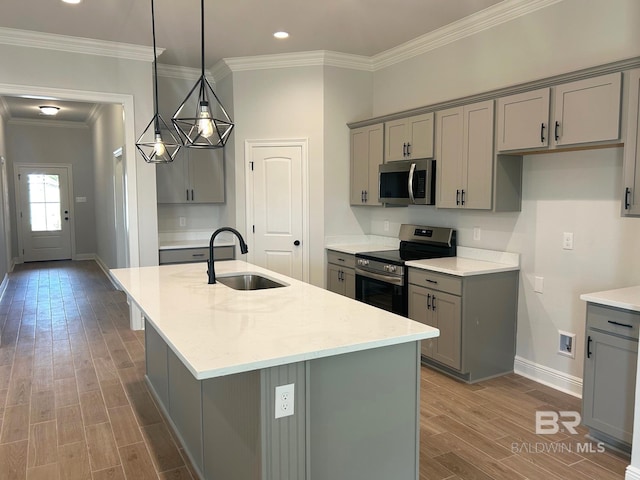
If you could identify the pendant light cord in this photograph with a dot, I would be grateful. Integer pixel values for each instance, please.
(202, 35)
(155, 69)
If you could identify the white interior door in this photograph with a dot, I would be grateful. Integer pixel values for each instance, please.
(44, 212)
(275, 208)
(119, 189)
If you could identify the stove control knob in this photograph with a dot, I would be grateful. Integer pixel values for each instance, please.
(390, 268)
(363, 262)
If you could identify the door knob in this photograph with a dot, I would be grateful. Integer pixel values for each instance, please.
(296, 243)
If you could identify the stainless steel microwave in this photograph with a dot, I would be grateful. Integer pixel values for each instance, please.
(407, 182)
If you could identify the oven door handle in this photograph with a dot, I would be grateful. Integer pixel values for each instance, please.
(383, 278)
(411, 172)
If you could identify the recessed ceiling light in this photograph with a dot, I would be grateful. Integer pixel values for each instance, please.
(72, 1)
(281, 35)
(49, 110)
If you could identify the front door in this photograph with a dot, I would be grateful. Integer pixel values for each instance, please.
(44, 213)
(275, 208)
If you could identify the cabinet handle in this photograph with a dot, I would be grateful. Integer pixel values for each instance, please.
(408, 149)
(462, 196)
(362, 196)
(431, 281)
(627, 195)
(428, 301)
(542, 133)
(197, 254)
(433, 303)
(457, 197)
(366, 194)
(620, 324)
(589, 346)
(192, 198)
(404, 149)
(187, 194)
(341, 259)
(556, 132)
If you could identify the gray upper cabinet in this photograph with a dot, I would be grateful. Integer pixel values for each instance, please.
(631, 195)
(523, 121)
(583, 112)
(464, 155)
(409, 138)
(587, 110)
(367, 149)
(196, 176)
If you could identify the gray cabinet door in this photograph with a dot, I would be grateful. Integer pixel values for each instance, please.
(367, 147)
(447, 313)
(609, 384)
(419, 312)
(334, 279)
(631, 186)
(206, 176)
(172, 181)
(449, 132)
(349, 280)
(477, 165)
(523, 121)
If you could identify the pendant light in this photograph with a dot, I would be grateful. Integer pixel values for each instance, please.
(164, 146)
(210, 126)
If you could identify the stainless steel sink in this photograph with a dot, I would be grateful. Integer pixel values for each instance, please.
(249, 281)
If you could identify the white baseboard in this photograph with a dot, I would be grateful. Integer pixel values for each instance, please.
(632, 473)
(548, 376)
(103, 266)
(84, 256)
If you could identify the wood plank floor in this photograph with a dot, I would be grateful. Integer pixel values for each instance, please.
(74, 405)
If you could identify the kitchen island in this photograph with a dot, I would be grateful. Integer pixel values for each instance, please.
(215, 356)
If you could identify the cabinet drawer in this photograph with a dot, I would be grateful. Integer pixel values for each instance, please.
(611, 320)
(343, 259)
(436, 281)
(188, 255)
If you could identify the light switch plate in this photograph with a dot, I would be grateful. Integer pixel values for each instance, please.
(538, 285)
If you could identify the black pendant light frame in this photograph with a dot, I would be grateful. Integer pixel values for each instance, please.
(204, 129)
(161, 131)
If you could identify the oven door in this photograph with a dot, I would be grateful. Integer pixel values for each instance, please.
(382, 291)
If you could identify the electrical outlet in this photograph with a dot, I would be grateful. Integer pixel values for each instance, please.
(386, 225)
(567, 344)
(183, 221)
(477, 233)
(567, 241)
(285, 400)
(538, 285)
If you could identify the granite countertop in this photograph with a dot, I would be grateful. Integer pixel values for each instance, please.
(471, 261)
(218, 331)
(626, 298)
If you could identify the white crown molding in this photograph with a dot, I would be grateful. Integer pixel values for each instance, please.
(182, 73)
(490, 17)
(220, 70)
(33, 122)
(300, 59)
(65, 43)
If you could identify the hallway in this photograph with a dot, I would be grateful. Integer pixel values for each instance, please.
(71, 382)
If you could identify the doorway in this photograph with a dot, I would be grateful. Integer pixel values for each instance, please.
(45, 220)
(277, 206)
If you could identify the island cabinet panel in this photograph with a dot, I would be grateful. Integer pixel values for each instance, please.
(157, 363)
(284, 438)
(231, 426)
(363, 415)
(185, 407)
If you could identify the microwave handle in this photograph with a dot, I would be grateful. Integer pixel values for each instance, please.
(411, 171)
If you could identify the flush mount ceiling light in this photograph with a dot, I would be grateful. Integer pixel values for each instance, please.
(165, 146)
(281, 35)
(210, 126)
(48, 110)
(72, 1)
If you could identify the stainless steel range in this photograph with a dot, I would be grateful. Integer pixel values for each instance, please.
(381, 276)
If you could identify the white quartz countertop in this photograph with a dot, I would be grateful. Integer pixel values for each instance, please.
(360, 248)
(626, 298)
(195, 243)
(471, 261)
(218, 331)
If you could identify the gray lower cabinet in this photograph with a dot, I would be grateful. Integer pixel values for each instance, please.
(341, 274)
(476, 316)
(341, 427)
(611, 357)
(194, 255)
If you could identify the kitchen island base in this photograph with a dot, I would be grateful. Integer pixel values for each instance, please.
(356, 415)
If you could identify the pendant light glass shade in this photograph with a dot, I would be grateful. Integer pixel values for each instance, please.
(157, 144)
(210, 125)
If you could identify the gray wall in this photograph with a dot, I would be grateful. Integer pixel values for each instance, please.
(32, 143)
(107, 132)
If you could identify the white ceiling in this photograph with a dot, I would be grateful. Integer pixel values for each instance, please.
(236, 28)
